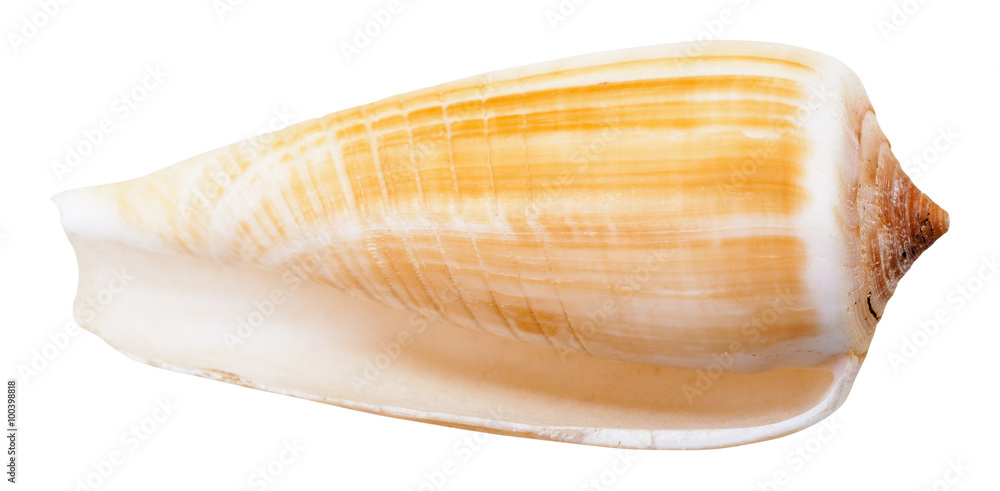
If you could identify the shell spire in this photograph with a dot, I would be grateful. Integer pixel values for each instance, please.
(897, 222)
(904, 223)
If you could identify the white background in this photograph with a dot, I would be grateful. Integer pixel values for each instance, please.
(934, 71)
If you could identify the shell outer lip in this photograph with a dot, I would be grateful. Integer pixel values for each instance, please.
(844, 370)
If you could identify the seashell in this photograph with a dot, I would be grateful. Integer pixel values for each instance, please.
(638, 248)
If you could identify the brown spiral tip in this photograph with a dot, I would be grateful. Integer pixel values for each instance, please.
(896, 221)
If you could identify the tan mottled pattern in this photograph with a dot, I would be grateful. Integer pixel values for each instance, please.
(599, 209)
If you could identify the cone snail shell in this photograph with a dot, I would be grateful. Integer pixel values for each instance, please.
(567, 247)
